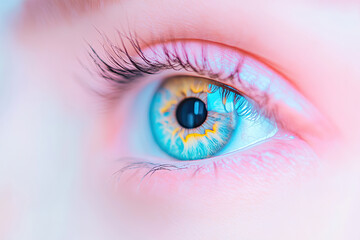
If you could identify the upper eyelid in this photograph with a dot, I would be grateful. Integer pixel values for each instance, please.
(122, 67)
(124, 64)
(291, 101)
(125, 68)
(134, 46)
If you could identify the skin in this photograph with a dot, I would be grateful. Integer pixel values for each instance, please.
(57, 140)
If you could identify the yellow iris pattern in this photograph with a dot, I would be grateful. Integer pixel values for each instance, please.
(202, 141)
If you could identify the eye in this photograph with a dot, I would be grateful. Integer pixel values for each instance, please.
(191, 100)
(194, 118)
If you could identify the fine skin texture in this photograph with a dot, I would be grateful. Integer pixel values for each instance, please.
(66, 149)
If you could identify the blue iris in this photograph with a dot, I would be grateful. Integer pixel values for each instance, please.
(193, 118)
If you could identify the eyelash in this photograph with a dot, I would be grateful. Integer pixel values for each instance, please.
(150, 167)
(124, 69)
(121, 68)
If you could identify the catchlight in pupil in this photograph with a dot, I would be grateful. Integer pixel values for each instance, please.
(191, 113)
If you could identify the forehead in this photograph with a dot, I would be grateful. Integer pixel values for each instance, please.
(42, 9)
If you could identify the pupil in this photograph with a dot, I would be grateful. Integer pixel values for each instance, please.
(191, 112)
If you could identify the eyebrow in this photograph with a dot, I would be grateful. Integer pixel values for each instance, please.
(42, 11)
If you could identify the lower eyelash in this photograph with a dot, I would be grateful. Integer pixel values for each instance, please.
(152, 168)
(286, 156)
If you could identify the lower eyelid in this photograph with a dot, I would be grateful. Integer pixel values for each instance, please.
(253, 169)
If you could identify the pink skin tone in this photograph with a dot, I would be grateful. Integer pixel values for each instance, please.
(62, 178)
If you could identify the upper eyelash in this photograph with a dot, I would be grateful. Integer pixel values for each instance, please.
(119, 66)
